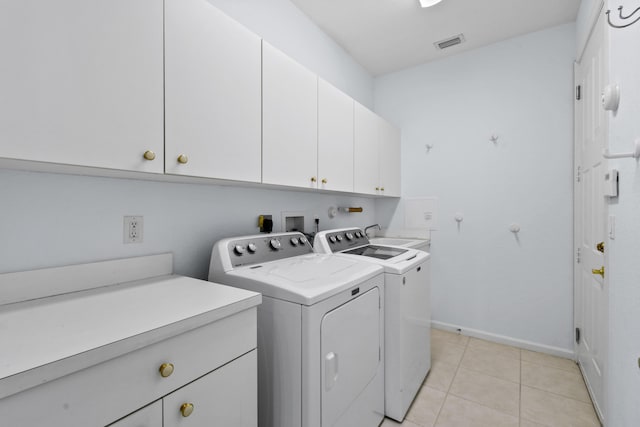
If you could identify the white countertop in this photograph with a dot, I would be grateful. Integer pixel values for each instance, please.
(47, 338)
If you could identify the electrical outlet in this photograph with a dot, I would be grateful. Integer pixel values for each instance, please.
(133, 227)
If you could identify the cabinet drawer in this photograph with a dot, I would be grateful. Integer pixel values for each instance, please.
(225, 397)
(103, 393)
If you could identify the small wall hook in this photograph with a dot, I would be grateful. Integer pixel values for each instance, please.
(514, 228)
(428, 147)
(623, 18)
(494, 138)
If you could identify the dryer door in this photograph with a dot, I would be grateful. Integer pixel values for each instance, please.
(351, 351)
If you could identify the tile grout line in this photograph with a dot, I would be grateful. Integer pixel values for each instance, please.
(466, 346)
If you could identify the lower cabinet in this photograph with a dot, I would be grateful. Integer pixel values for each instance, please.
(224, 397)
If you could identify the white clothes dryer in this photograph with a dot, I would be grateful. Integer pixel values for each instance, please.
(407, 310)
(320, 330)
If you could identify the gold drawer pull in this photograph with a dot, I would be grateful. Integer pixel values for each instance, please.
(166, 369)
(186, 409)
(313, 179)
(182, 159)
(149, 155)
(324, 180)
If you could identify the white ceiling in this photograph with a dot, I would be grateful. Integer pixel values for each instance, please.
(389, 35)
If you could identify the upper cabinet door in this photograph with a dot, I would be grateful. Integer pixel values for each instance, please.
(366, 151)
(81, 82)
(389, 159)
(290, 121)
(335, 138)
(212, 93)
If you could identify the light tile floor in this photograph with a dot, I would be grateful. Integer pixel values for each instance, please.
(477, 383)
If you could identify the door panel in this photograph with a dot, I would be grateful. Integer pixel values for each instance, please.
(213, 93)
(350, 346)
(591, 298)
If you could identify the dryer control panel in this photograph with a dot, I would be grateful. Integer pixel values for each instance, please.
(267, 247)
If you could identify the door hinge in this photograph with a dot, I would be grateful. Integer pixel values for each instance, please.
(578, 92)
(578, 256)
(577, 335)
(579, 174)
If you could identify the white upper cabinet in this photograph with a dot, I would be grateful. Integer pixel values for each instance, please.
(366, 176)
(389, 159)
(335, 138)
(376, 168)
(290, 121)
(212, 94)
(81, 82)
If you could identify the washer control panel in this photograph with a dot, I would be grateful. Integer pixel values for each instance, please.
(267, 247)
(346, 239)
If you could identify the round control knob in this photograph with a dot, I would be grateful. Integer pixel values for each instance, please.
(358, 234)
(339, 238)
(332, 239)
(166, 369)
(186, 409)
(294, 241)
(303, 240)
(239, 250)
(349, 236)
(275, 244)
(252, 248)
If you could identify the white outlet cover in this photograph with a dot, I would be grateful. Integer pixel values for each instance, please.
(132, 229)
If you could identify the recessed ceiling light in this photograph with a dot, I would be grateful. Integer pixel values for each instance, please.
(429, 3)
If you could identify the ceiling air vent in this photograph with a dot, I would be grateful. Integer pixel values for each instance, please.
(451, 41)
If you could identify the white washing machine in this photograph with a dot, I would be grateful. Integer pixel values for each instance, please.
(320, 330)
(407, 310)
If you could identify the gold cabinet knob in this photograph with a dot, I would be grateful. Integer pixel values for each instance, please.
(182, 159)
(377, 188)
(313, 179)
(149, 155)
(600, 271)
(381, 188)
(166, 369)
(600, 247)
(186, 409)
(324, 180)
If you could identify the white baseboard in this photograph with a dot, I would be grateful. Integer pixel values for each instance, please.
(502, 339)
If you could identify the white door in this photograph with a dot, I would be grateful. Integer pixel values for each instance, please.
(591, 293)
(81, 82)
(227, 396)
(366, 166)
(212, 94)
(389, 159)
(149, 416)
(335, 138)
(351, 352)
(289, 121)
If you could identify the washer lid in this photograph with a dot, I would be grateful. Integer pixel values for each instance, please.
(305, 279)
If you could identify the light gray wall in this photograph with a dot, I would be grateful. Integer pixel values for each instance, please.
(50, 219)
(483, 277)
(623, 382)
(283, 25)
(53, 219)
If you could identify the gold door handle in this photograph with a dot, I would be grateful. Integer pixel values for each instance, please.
(149, 155)
(600, 271)
(600, 247)
(186, 409)
(166, 369)
(182, 159)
